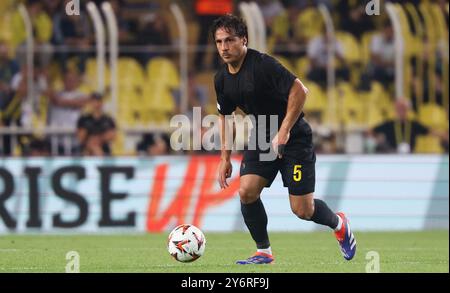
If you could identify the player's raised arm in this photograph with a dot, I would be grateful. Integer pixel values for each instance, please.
(225, 168)
(296, 101)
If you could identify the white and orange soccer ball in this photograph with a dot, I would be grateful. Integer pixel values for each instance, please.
(186, 243)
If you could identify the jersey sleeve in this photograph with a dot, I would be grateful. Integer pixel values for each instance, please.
(277, 76)
(224, 106)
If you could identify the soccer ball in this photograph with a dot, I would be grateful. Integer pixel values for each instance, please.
(186, 243)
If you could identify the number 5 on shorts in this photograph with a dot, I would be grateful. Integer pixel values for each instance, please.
(297, 173)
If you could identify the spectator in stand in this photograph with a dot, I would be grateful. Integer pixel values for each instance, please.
(72, 35)
(287, 37)
(284, 38)
(152, 31)
(30, 105)
(96, 130)
(207, 11)
(8, 68)
(52, 6)
(42, 29)
(197, 96)
(318, 56)
(270, 9)
(65, 109)
(298, 4)
(357, 22)
(19, 107)
(42, 32)
(400, 134)
(38, 147)
(154, 144)
(382, 58)
(125, 36)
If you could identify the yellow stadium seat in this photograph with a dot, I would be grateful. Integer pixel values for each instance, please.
(206, 79)
(42, 26)
(409, 38)
(317, 100)
(428, 144)
(352, 55)
(118, 145)
(433, 116)
(302, 67)
(128, 105)
(366, 39)
(129, 72)
(193, 28)
(163, 69)
(417, 46)
(159, 103)
(309, 24)
(6, 33)
(352, 50)
(17, 29)
(280, 26)
(4, 5)
(279, 30)
(91, 74)
(442, 32)
(162, 79)
(350, 105)
(379, 106)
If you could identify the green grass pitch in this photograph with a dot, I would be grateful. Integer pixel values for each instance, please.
(294, 252)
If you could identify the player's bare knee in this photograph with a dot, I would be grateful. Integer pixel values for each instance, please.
(304, 213)
(247, 195)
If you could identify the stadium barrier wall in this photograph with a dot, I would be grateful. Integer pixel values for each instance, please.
(133, 194)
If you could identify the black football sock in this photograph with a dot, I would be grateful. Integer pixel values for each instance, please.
(255, 218)
(323, 215)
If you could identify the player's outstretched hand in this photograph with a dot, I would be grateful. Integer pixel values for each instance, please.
(225, 170)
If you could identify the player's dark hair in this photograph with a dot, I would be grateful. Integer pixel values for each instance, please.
(232, 24)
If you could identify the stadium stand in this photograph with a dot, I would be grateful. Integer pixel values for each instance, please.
(146, 90)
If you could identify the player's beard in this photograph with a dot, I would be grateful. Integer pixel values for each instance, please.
(235, 59)
(230, 59)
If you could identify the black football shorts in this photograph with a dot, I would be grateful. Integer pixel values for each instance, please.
(297, 166)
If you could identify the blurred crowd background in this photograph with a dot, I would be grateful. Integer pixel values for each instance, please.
(65, 115)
